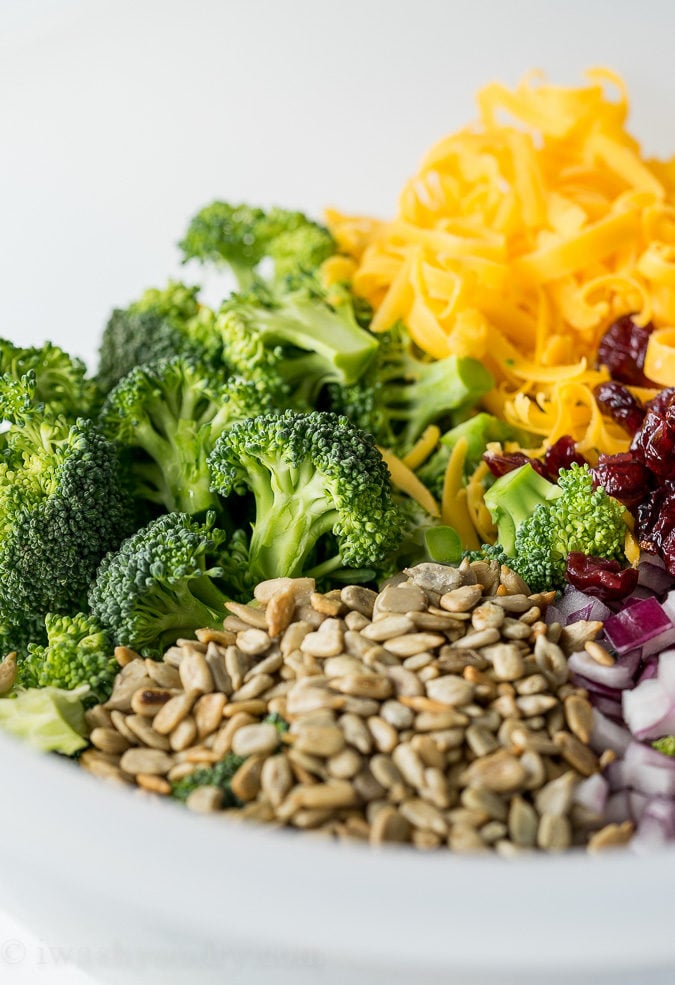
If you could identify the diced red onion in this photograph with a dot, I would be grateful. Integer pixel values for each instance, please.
(616, 776)
(617, 677)
(606, 734)
(649, 771)
(653, 575)
(656, 825)
(645, 625)
(649, 710)
(618, 808)
(637, 802)
(608, 707)
(592, 793)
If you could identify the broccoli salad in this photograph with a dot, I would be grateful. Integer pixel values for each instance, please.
(383, 543)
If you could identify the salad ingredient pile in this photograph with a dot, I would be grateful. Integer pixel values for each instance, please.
(311, 552)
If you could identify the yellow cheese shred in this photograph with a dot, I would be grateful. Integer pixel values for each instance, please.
(405, 479)
(423, 448)
(454, 505)
(518, 242)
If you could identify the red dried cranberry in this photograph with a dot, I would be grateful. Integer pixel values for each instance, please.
(597, 576)
(668, 551)
(619, 403)
(622, 476)
(561, 455)
(660, 403)
(622, 350)
(509, 461)
(655, 523)
(655, 444)
(646, 517)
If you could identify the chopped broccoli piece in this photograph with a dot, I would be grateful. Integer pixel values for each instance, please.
(64, 503)
(219, 775)
(48, 719)
(293, 341)
(78, 653)
(168, 415)
(401, 393)
(61, 380)
(167, 580)
(311, 475)
(161, 324)
(513, 498)
(241, 236)
(540, 522)
(666, 745)
(280, 723)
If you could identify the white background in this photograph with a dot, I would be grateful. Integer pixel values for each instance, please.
(118, 120)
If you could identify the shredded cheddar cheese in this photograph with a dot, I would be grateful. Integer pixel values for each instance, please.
(519, 241)
(405, 479)
(423, 448)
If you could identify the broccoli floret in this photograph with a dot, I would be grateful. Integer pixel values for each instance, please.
(78, 653)
(241, 236)
(479, 431)
(64, 503)
(219, 775)
(666, 745)
(48, 719)
(61, 380)
(512, 500)
(402, 392)
(168, 414)
(311, 475)
(161, 324)
(167, 580)
(292, 341)
(540, 522)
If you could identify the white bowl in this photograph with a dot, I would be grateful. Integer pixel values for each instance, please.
(122, 119)
(139, 890)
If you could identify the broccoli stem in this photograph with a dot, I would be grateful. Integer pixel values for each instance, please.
(334, 335)
(177, 611)
(291, 516)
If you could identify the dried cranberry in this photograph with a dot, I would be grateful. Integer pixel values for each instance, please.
(561, 455)
(646, 517)
(668, 551)
(654, 443)
(509, 461)
(622, 350)
(622, 476)
(655, 523)
(660, 403)
(619, 403)
(597, 576)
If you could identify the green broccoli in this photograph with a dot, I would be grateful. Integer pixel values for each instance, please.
(161, 324)
(292, 341)
(666, 745)
(78, 652)
(479, 431)
(169, 579)
(401, 393)
(241, 236)
(168, 415)
(219, 775)
(49, 719)
(540, 522)
(61, 380)
(64, 503)
(311, 475)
